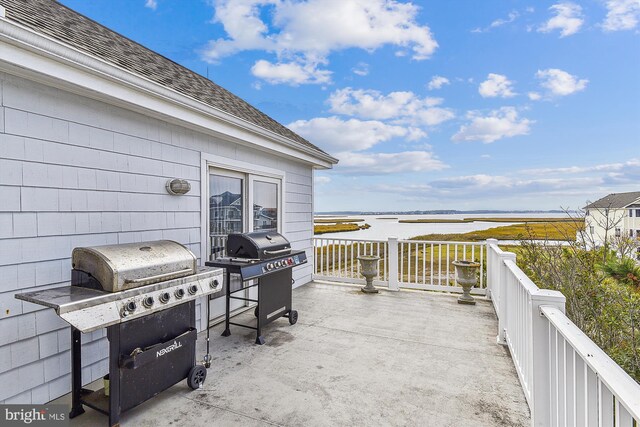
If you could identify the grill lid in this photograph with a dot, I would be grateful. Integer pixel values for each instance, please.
(127, 266)
(258, 245)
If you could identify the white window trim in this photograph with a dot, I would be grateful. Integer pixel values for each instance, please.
(208, 161)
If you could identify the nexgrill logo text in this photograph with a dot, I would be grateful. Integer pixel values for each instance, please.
(168, 349)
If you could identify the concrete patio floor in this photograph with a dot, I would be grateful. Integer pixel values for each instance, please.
(403, 358)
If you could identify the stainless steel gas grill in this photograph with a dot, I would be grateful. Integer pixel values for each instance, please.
(266, 256)
(144, 294)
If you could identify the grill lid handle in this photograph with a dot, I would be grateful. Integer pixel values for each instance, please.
(278, 252)
(159, 276)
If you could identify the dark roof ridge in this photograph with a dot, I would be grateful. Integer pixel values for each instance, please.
(615, 200)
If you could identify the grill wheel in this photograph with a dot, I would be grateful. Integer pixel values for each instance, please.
(293, 317)
(196, 377)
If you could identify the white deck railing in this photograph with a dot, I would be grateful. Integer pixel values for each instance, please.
(410, 264)
(566, 378)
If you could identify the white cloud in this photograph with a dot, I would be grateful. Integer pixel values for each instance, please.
(321, 179)
(403, 107)
(496, 85)
(568, 19)
(362, 69)
(389, 163)
(437, 82)
(534, 96)
(559, 82)
(349, 139)
(336, 135)
(621, 15)
(308, 31)
(629, 165)
(512, 16)
(151, 4)
(291, 73)
(502, 123)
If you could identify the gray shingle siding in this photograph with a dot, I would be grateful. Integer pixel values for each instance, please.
(77, 172)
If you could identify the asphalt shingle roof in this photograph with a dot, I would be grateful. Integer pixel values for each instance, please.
(55, 20)
(615, 200)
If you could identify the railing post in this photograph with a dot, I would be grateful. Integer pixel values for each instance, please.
(393, 264)
(490, 273)
(503, 294)
(542, 379)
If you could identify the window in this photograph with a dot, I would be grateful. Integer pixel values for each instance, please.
(637, 213)
(239, 202)
(618, 232)
(586, 213)
(630, 233)
(630, 213)
(591, 229)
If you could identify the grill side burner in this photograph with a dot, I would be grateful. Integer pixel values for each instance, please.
(267, 257)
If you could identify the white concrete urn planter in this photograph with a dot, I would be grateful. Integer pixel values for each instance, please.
(369, 269)
(466, 272)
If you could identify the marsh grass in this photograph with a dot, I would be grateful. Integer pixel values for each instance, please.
(561, 230)
(337, 228)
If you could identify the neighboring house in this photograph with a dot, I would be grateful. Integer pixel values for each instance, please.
(226, 214)
(92, 126)
(612, 217)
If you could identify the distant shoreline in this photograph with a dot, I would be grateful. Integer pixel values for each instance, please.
(440, 212)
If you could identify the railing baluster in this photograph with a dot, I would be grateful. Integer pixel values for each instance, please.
(401, 262)
(431, 269)
(424, 264)
(447, 283)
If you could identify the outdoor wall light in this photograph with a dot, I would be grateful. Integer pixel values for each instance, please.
(178, 187)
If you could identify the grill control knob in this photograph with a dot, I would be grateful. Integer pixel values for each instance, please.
(131, 306)
(179, 293)
(193, 289)
(147, 302)
(213, 284)
(164, 297)
(270, 266)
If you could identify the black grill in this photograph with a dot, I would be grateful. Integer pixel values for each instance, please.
(267, 257)
(257, 245)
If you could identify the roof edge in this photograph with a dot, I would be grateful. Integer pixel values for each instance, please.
(52, 49)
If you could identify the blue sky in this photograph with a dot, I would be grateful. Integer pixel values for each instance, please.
(462, 104)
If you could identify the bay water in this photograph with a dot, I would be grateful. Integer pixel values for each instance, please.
(385, 226)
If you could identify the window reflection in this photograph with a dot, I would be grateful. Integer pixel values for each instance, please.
(225, 211)
(265, 206)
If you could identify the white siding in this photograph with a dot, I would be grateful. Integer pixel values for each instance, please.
(77, 172)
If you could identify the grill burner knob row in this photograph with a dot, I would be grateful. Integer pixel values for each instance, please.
(147, 302)
(179, 293)
(164, 297)
(193, 289)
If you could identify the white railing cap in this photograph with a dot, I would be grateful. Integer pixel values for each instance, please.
(623, 387)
